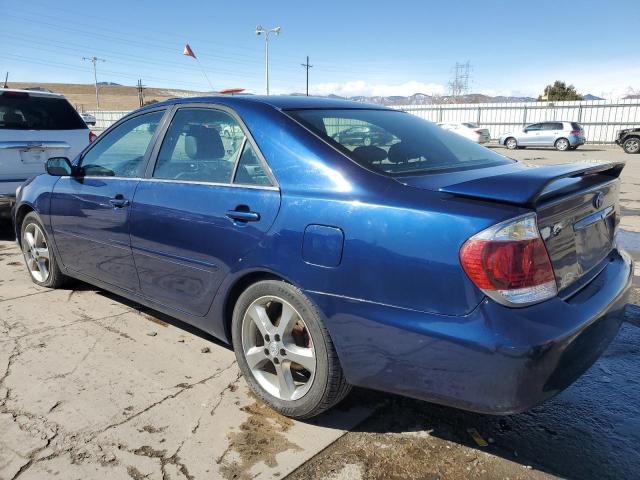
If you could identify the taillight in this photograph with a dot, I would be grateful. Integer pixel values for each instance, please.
(479, 132)
(575, 132)
(509, 263)
(92, 136)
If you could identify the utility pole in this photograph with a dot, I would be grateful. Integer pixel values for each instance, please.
(307, 66)
(95, 60)
(6, 77)
(266, 32)
(140, 92)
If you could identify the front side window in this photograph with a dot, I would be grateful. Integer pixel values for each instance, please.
(119, 153)
(397, 143)
(201, 144)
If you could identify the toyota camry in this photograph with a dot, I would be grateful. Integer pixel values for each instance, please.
(425, 265)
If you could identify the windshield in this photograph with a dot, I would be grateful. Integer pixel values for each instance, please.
(396, 143)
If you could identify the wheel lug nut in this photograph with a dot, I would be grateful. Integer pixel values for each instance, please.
(276, 361)
(282, 352)
(266, 337)
(266, 352)
(276, 337)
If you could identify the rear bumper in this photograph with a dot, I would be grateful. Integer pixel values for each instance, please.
(576, 141)
(495, 360)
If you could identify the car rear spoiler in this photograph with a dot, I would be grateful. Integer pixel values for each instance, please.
(525, 187)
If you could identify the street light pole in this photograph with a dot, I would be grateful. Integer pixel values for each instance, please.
(265, 32)
(94, 60)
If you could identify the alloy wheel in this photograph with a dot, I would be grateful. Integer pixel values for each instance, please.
(278, 348)
(511, 143)
(36, 252)
(632, 145)
(562, 144)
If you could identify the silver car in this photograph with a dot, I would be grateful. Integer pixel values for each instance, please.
(561, 135)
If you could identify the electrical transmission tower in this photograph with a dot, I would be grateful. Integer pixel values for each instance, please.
(459, 84)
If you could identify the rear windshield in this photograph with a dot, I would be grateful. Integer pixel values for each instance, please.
(396, 143)
(38, 113)
(576, 126)
(470, 125)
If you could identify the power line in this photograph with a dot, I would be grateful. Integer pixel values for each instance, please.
(95, 60)
(307, 67)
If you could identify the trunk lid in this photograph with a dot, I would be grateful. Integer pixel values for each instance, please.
(576, 204)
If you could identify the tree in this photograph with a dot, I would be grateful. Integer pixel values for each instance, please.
(559, 91)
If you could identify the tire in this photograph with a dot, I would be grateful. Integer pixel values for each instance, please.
(39, 257)
(631, 145)
(305, 393)
(562, 144)
(511, 143)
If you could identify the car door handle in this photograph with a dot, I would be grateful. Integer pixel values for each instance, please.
(243, 216)
(119, 201)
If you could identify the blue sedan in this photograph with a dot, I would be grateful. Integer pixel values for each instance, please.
(424, 265)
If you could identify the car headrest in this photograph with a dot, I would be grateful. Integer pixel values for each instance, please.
(202, 142)
(369, 154)
(401, 153)
(12, 118)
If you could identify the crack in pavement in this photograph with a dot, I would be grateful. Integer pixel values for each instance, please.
(164, 399)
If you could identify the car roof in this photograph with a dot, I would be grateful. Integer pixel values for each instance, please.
(281, 102)
(33, 93)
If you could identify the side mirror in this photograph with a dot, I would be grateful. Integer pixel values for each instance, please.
(59, 167)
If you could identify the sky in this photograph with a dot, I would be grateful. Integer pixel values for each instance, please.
(356, 47)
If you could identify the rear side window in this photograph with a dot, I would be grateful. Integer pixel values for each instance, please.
(396, 143)
(38, 113)
(553, 126)
(202, 145)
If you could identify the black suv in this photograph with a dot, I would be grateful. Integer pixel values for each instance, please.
(629, 140)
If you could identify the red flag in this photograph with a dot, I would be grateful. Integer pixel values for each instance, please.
(188, 52)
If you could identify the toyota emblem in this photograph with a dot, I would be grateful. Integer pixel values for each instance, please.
(598, 200)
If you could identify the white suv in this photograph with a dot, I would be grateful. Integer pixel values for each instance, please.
(34, 126)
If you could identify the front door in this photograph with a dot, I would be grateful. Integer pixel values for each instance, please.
(90, 211)
(207, 203)
(531, 135)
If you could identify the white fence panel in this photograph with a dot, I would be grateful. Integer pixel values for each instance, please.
(601, 119)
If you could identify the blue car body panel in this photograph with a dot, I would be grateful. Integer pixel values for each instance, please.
(378, 256)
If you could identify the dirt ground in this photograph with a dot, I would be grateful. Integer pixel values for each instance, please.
(95, 387)
(112, 97)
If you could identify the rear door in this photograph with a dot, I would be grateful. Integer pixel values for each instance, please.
(34, 127)
(549, 133)
(204, 205)
(90, 212)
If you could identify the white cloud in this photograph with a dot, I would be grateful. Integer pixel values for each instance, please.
(360, 87)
